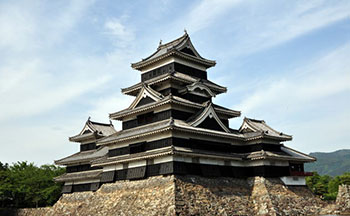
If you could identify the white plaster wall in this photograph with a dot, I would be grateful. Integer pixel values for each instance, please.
(82, 182)
(294, 180)
(108, 168)
(163, 159)
(119, 167)
(169, 60)
(211, 161)
(149, 138)
(137, 163)
(182, 159)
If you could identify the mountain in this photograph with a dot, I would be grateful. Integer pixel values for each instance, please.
(332, 163)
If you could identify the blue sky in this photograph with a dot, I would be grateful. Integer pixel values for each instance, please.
(286, 62)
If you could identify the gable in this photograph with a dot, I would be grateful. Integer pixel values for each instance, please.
(145, 100)
(211, 123)
(201, 89)
(210, 120)
(86, 129)
(145, 96)
(188, 51)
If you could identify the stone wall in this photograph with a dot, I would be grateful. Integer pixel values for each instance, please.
(194, 195)
(218, 196)
(343, 199)
(153, 196)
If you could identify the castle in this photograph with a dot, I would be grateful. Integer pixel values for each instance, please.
(173, 127)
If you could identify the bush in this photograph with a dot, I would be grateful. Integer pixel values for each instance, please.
(25, 185)
(326, 186)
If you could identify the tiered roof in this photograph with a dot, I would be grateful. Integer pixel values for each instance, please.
(253, 125)
(183, 105)
(177, 76)
(83, 157)
(85, 175)
(93, 130)
(181, 47)
(170, 99)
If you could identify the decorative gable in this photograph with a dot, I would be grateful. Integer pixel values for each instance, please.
(87, 129)
(145, 96)
(187, 47)
(209, 119)
(199, 87)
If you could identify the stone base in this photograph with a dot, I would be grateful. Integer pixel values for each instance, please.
(191, 195)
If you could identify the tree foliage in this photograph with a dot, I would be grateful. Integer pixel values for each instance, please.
(23, 184)
(327, 186)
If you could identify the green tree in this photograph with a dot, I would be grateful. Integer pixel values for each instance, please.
(326, 186)
(25, 185)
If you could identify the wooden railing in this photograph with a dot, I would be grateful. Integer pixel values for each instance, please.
(300, 173)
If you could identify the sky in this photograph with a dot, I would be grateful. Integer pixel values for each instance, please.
(287, 62)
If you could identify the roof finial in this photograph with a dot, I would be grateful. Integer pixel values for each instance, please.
(110, 122)
(89, 118)
(160, 42)
(185, 30)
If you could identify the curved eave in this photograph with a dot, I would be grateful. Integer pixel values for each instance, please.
(162, 152)
(281, 157)
(208, 132)
(126, 112)
(230, 113)
(84, 175)
(168, 99)
(263, 135)
(73, 162)
(205, 62)
(83, 137)
(286, 149)
(134, 90)
(172, 126)
(134, 157)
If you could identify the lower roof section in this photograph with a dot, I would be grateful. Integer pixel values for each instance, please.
(236, 159)
(85, 175)
(83, 157)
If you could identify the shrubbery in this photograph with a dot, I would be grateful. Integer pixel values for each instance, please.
(327, 186)
(23, 184)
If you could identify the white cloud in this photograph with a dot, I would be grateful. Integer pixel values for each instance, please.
(298, 103)
(32, 26)
(327, 76)
(104, 106)
(206, 13)
(36, 73)
(39, 72)
(121, 34)
(271, 25)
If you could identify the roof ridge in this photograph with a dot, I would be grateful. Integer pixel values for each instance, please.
(103, 124)
(254, 120)
(179, 39)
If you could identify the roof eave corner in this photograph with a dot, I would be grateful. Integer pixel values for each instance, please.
(136, 66)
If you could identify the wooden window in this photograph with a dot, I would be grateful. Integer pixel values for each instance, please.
(121, 174)
(81, 187)
(166, 168)
(79, 168)
(67, 189)
(107, 176)
(88, 146)
(136, 173)
(94, 186)
(210, 170)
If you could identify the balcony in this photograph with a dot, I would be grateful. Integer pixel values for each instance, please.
(300, 173)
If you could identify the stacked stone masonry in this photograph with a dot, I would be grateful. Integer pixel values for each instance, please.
(194, 195)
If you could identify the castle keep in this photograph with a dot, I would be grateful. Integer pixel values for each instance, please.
(173, 127)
